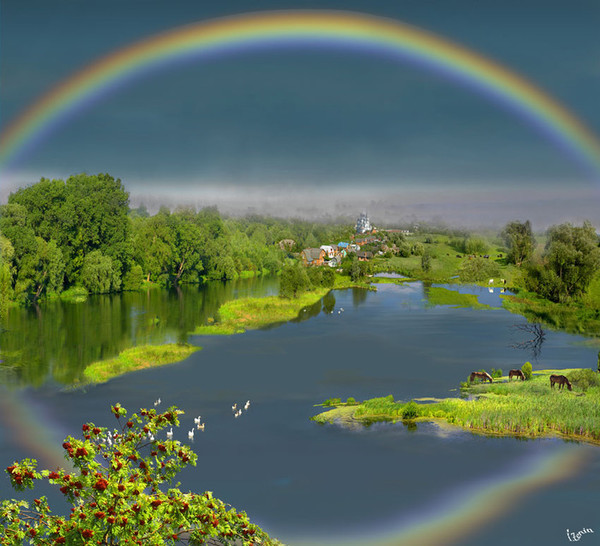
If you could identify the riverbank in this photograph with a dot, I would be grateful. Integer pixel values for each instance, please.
(529, 409)
(137, 358)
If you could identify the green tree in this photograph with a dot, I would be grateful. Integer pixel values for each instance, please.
(97, 273)
(121, 492)
(527, 370)
(293, 281)
(571, 259)
(7, 253)
(519, 240)
(426, 262)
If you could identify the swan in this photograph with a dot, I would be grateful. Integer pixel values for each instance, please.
(170, 434)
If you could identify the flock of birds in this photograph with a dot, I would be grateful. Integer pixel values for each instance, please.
(197, 421)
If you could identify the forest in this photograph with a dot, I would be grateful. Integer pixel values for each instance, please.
(58, 237)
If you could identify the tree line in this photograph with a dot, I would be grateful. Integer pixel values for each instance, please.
(566, 266)
(56, 235)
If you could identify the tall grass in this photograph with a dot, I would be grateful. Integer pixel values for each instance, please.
(522, 408)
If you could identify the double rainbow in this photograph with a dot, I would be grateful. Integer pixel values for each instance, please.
(305, 28)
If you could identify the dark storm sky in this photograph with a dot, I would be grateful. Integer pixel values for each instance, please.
(314, 131)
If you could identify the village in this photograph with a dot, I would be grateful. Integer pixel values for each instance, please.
(367, 242)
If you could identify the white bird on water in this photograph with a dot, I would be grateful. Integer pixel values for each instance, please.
(247, 405)
(201, 426)
(191, 434)
(157, 402)
(170, 434)
(234, 407)
(198, 419)
(150, 437)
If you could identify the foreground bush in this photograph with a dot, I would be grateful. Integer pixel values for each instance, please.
(119, 492)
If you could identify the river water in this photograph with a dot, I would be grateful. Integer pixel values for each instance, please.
(306, 483)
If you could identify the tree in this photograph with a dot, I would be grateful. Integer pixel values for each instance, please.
(97, 273)
(571, 259)
(519, 241)
(293, 281)
(426, 262)
(119, 492)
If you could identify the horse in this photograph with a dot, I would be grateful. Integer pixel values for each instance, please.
(561, 380)
(516, 373)
(484, 376)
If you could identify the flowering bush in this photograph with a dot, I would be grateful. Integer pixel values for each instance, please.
(120, 492)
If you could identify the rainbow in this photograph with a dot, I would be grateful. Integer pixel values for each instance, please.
(304, 28)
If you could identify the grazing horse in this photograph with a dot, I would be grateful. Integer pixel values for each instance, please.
(561, 380)
(516, 373)
(484, 376)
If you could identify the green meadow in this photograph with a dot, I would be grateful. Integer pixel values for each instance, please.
(137, 358)
(515, 408)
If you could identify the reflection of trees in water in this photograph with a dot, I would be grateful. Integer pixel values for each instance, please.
(58, 340)
(329, 303)
(536, 337)
(309, 312)
(359, 295)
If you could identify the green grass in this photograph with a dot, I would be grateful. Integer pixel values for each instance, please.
(243, 314)
(437, 295)
(516, 408)
(137, 358)
(237, 316)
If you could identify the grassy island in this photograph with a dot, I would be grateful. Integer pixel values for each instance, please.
(515, 408)
(137, 358)
(237, 316)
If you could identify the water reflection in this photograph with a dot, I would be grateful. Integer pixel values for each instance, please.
(57, 340)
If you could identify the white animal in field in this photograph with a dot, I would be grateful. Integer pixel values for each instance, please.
(191, 434)
(170, 434)
(491, 281)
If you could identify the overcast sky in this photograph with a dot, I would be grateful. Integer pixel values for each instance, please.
(309, 131)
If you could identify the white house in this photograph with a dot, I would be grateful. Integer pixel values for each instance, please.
(329, 250)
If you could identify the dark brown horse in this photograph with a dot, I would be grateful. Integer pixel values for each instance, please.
(561, 380)
(516, 373)
(484, 376)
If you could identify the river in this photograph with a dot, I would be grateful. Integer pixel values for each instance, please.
(306, 483)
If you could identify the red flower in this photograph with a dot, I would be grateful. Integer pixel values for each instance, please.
(88, 533)
(121, 487)
(99, 515)
(156, 503)
(100, 485)
(53, 476)
(85, 428)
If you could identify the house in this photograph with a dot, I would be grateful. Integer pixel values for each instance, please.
(353, 247)
(335, 261)
(364, 255)
(329, 251)
(313, 256)
(342, 246)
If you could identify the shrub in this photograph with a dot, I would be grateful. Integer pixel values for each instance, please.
(527, 370)
(410, 410)
(351, 401)
(332, 402)
(496, 374)
(116, 487)
(584, 379)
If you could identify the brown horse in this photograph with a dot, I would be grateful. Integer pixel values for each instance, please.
(484, 376)
(561, 380)
(516, 373)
